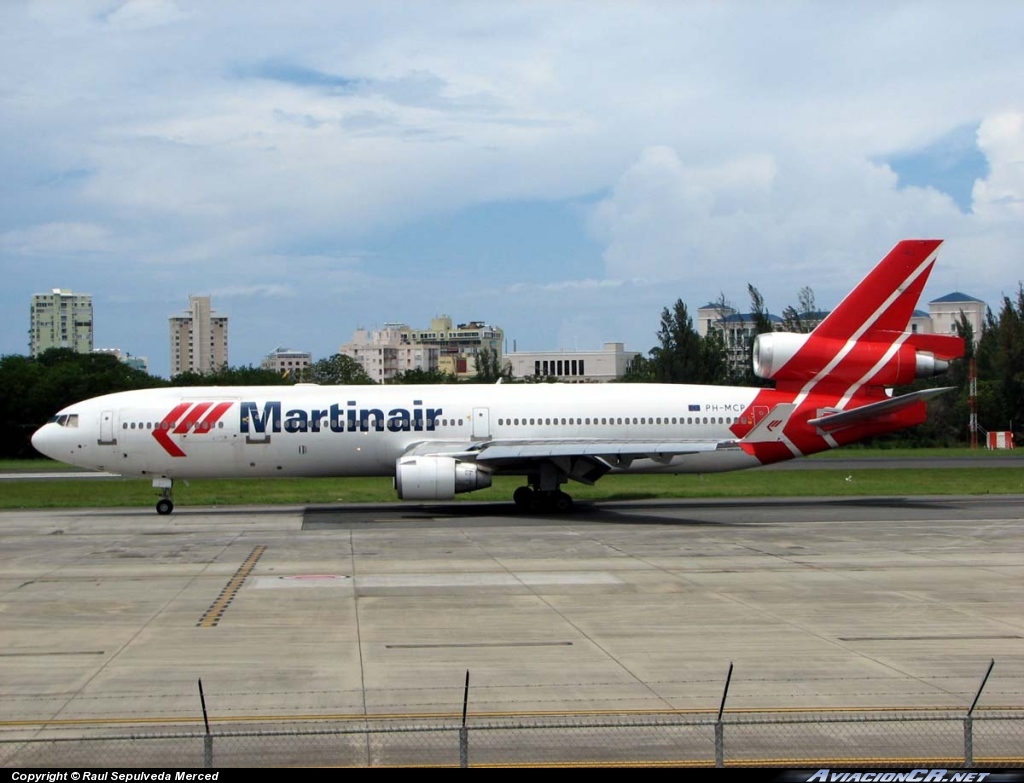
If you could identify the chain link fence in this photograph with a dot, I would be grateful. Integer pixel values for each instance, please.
(896, 739)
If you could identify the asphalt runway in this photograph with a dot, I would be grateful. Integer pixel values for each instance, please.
(118, 614)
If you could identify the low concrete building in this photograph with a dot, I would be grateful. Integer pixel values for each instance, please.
(607, 364)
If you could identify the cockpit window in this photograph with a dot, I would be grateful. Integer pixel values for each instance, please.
(65, 420)
(72, 420)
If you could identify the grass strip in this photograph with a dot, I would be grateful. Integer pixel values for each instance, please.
(101, 493)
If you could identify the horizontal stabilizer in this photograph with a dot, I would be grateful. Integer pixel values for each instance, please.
(874, 410)
(942, 346)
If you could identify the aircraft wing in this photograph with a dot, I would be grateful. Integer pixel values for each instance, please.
(839, 419)
(586, 459)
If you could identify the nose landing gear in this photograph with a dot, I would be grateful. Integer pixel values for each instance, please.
(165, 505)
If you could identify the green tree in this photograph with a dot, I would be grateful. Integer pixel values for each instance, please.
(410, 377)
(33, 389)
(679, 355)
(1001, 363)
(490, 368)
(800, 319)
(761, 324)
(232, 376)
(640, 369)
(337, 370)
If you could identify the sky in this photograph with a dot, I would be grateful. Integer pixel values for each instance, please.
(562, 170)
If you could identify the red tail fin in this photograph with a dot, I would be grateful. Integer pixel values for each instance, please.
(885, 299)
(864, 341)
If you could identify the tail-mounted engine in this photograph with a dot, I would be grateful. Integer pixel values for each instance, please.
(878, 359)
(437, 478)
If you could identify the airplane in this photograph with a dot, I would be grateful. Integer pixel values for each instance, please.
(832, 387)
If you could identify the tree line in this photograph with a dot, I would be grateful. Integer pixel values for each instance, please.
(682, 355)
(33, 389)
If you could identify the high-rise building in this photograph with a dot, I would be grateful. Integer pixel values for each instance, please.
(61, 319)
(199, 339)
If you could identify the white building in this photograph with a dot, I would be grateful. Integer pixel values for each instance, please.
(136, 362)
(945, 313)
(607, 364)
(286, 361)
(384, 353)
(738, 328)
(61, 319)
(199, 339)
(397, 348)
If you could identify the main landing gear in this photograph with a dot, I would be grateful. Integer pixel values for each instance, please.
(539, 501)
(165, 505)
(542, 493)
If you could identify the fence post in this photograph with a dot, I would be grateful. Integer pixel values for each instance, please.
(719, 726)
(464, 731)
(719, 744)
(969, 720)
(208, 739)
(968, 741)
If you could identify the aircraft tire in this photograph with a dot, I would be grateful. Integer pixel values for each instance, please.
(562, 502)
(164, 507)
(523, 496)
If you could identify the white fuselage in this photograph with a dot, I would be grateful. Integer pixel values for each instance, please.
(310, 430)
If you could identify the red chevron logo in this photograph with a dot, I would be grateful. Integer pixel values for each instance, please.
(188, 416)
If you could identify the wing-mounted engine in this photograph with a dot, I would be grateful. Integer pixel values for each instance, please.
(876, 359)
(437, 478)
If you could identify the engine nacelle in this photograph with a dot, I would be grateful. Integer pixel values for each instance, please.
(773, 349)
(871, 362)
(437, 478)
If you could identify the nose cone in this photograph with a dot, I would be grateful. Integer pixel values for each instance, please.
(44, 440)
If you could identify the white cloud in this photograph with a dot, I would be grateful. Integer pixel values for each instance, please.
(58, 239)
(143, 14)
(1000, 196)
(723, 144)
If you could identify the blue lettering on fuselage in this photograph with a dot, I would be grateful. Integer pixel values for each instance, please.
(336, 418)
